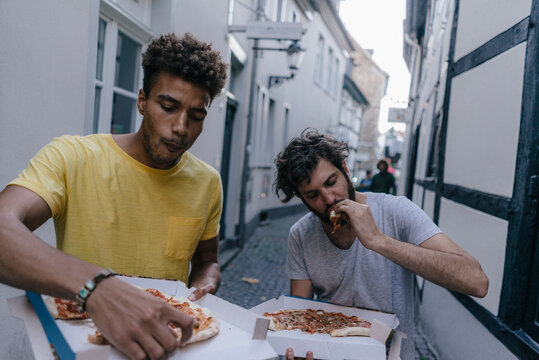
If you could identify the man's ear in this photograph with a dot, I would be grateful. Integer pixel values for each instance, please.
(345, 168)
(141, 102)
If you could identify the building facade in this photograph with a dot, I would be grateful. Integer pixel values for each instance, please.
(472, 163)
(372, 81)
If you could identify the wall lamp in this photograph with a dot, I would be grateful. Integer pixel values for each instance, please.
(294, 58)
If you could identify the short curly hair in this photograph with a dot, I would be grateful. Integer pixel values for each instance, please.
(297, 161)
(189, 58)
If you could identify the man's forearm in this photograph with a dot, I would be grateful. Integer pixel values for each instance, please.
(457, 272)
(27, 262)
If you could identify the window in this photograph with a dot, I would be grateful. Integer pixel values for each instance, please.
(231, 12)
(336, 77)
(269, 135)
(330, 76)
(319, 60)
(282, 8)
(271, 9)
(117, 79)
(285, 126)
(295, 16)
(259, 127)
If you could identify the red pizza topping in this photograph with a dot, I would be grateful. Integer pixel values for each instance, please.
(68, 309)
(335, 218)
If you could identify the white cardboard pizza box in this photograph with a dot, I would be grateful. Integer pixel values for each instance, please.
(241, 334)
(324, 346)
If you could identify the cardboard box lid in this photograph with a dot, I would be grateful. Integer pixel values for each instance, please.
(235, 338)
(326, 347)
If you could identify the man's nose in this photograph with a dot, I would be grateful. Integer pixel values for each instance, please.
(180, 124)
(328, 197)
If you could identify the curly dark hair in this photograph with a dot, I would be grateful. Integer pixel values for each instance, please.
(189, 58)
(298, 160)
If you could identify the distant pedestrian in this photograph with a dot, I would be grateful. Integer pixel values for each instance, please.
(365, 183)
(383, 182)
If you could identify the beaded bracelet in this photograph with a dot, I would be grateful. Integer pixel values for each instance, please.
(90, 286)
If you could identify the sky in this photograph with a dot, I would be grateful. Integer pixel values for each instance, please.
(377, 25)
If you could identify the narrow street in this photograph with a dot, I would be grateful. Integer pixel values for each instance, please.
(258, 272)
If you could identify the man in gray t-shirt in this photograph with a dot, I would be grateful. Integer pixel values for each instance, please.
(368, 262)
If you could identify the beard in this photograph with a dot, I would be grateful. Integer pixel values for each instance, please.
(152, 151)
(324, 217)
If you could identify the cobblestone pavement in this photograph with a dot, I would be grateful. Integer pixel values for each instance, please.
(263, 258)
(263, 262)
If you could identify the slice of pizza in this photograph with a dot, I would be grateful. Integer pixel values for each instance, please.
(335, 218)
(206, 324)
(64, 309)
(318, 321)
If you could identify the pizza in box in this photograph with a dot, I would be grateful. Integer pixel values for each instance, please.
(318, 321)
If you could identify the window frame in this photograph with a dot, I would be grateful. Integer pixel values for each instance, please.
(103, 122)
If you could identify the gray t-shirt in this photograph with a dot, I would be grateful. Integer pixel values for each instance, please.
(357, 276)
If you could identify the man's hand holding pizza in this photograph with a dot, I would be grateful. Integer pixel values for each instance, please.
(361, 221)
(205, 271)
(135, 321)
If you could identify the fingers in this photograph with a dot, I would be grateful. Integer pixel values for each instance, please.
(153, 348)
(200, 292)
(184, 321)
(289, 354)
(136, 322)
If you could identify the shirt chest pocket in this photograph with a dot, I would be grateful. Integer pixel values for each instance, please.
(183, 236)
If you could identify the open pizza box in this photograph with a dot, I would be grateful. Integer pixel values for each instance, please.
(324, 346)
(241, 334)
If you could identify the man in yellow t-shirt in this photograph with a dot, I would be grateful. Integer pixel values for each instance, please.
(138, 203)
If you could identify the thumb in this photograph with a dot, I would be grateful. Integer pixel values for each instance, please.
(195, 295)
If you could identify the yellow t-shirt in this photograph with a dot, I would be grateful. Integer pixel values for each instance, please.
(113, 211)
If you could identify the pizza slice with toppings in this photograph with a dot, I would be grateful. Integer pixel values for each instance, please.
(335, 218)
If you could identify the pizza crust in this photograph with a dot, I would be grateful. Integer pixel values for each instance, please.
(209, 332)
(198, 335)
(51, 306)
(350, 331)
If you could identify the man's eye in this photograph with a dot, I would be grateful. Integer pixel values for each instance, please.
(167, 108)
(197, 118)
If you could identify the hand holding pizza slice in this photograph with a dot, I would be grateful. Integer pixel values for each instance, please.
(205, 324)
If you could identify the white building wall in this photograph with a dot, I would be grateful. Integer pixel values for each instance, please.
(484, 237)
(428, 202)
(480, 154)
(484, 122)
(209, 27)
(496, 17)
(44, 65)
(458, 334)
